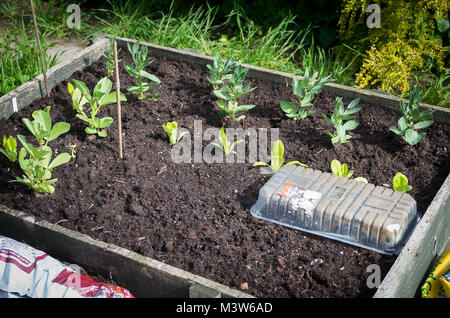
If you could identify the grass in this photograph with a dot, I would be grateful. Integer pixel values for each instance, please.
(19, 58)
(284, 46)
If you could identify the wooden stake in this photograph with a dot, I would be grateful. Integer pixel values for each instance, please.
(119, 112)
(40, 49)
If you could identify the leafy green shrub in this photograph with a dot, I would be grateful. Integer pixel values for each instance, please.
(102, 96)
(412, 118)
(304, 90)
(230, 92)
(36, 162)
(219, 69)
(337, 120)
(139, 55)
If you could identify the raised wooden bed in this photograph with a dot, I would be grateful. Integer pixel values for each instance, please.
(146, 277)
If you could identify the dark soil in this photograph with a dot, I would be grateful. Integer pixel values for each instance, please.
(195, 216)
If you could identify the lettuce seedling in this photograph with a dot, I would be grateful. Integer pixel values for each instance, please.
(219, 69)
(231, 92)
(102, 96)
(10, 148)
(304, 90)
(41, 127)
(411, 114)
(225, 144)
(400, 183)
(78, 100)
(277, 158)
(337, 120)
(341, 170)
(139, 55)
(109, 56)
(171, 129)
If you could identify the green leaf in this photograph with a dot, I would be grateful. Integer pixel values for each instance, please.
(83, 88)
(423, 124)
(396, 130)
(105, 122)
(350, 125)
(243, 108)
(288, 107)
(102, 88)
(60, 160)
(400, 183)
(181, 135)
(260, 163)
(361, 179)
(222, 93)
(403, 124)
(90, 131)
(150, 76)
(134, 89)
(131, 70)
(102, 133)
(276, 158)
(336, 167)
(296, 163)
(111, 99)
(58, 129)
(443, 24)
(411, 137)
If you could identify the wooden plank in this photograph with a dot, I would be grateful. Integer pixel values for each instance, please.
(34, 89)
(142, 276)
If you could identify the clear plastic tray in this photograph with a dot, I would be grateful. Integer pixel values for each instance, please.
(321, 203)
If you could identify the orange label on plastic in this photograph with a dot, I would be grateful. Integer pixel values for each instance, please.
(287, 188)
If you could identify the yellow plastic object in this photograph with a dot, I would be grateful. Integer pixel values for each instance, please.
(436, 285)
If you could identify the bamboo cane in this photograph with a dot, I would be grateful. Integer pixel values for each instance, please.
(119, 112)
(44, 72)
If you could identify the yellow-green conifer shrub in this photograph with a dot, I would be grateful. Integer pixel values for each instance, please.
(401, 47)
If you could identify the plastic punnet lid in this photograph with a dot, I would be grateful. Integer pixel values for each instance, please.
(321, 203)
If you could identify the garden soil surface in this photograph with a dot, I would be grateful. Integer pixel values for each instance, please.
(195, 215)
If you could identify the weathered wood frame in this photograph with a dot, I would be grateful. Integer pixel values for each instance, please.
(146, 277)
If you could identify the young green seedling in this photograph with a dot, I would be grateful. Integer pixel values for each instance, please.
(78, 100)
(38, 166)
(411, 114)
(171, 129)
(337, 120)
(109, 56)
(277, 158)
(10, 148)
(218, 69)
(102, 96)
(41, 127)
(139, 55)
(400, 183)
(304, 90)
(36, 162)
(341, 170)
(225, 144)
(231, 92)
